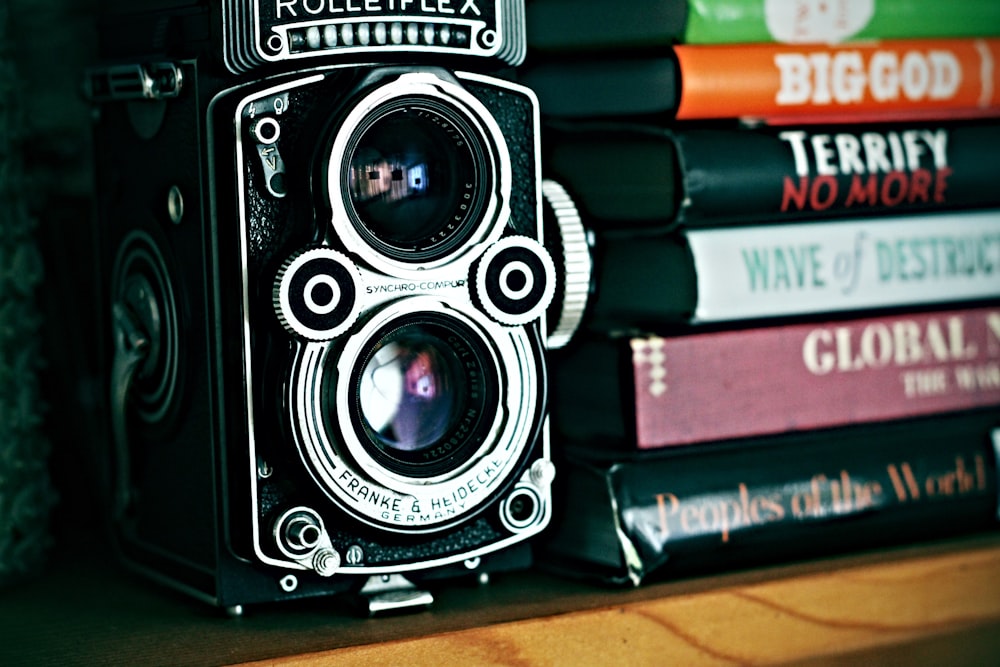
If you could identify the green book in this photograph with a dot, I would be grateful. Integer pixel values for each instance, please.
(832, 21)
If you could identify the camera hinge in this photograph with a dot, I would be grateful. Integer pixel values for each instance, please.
(145, 81)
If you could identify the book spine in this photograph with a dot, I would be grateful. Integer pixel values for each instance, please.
(636, 176)
(794, 269)
(811, 172)
(565, 26)
(807, 21)
(768, 380)
(601, 87)
(783, 498)
(641, 281)
(731, 274)
(903, 79)
(623, 176)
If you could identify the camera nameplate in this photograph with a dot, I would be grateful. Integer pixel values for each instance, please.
(274, 31)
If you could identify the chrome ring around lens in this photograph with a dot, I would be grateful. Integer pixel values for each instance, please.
(419, 172)
(482, 429)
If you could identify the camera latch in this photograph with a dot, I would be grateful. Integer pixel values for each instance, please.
(146, 81)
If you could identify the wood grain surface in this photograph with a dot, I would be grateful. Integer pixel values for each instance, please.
(944, 609)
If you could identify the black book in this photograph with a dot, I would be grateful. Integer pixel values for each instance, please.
(593, 25)
(643, 176)
(587, 86)
(629, 519)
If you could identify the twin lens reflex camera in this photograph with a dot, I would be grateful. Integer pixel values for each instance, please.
(327, 289)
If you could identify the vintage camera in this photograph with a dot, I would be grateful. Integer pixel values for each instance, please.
(322, 251)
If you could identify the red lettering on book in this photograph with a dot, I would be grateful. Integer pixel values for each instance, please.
(919, 184)
(898, 179)
(822, 192)
(862, 194)
(941, 183)
(794, 193)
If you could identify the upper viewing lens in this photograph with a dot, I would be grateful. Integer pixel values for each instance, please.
(414, 180)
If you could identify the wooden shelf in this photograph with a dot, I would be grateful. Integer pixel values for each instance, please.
(931, 604)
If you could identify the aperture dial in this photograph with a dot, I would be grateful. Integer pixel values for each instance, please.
(515, 280)
(316, 294)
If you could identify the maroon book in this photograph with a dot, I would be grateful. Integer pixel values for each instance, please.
(704, 387)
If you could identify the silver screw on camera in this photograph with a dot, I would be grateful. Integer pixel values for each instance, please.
(175, 205)
(325, 562)
(543, 473)
(355, 555)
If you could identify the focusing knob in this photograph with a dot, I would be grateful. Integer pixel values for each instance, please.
(568, 241)
(515, 280)
(145, 307)
(316, 294)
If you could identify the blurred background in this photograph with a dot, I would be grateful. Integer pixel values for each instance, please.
(46, 183)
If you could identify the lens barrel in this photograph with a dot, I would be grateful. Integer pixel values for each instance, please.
(417, 174)
(417, 180)
(425, 388)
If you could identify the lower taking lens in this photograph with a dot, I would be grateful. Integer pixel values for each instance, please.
(421, 396)
(409, 392)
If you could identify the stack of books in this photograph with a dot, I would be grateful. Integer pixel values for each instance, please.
(793, 342)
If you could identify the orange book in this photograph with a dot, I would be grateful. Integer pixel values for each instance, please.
(878, 80)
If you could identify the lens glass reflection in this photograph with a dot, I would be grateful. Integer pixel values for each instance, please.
(411, 390)
(413, 179)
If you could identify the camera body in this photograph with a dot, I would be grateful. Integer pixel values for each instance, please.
(326, 286)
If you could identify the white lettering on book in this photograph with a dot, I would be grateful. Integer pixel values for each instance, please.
(866, 153)
(844, 77)
(880, 344)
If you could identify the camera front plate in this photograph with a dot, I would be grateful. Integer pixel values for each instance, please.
(497, 494)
